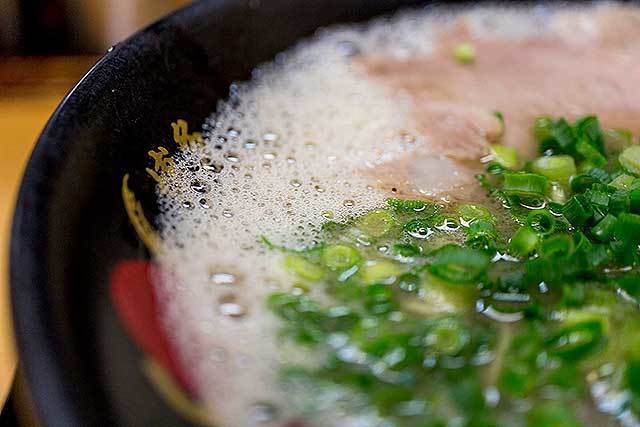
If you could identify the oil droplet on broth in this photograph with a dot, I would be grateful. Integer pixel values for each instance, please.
(228, 306)
(348, 48)
(200, 187)
(204, 203)
(421, 232)
(192, 167)
(233, 133)
(232, 157)
(220, 278)
(263, 412)
(209, 165)
(270, 137)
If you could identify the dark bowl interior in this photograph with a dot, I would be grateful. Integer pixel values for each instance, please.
(70, 227)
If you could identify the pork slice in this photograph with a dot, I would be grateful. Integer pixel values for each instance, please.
(594, 69)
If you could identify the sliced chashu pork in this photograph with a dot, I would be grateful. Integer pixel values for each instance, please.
(589, 63)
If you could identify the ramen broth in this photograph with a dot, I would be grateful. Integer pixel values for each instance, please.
(313, 248)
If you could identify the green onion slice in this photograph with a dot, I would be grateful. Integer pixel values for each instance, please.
(340, 257)
(507, 157)
(524, 241)
(464, 53)
(303, 268)
(376, 223)
(542, 221)
(525, 184)
(630, 159)
(457, 264)
(557, 168)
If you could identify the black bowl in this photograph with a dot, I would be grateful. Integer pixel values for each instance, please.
(70, 227)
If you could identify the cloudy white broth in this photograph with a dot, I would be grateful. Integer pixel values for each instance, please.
(428, 220)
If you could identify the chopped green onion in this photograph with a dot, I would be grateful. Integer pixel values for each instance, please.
(562, 138)
(583, 182)
(629, 283)
(507, 157)
(525, 184)
(557, 168)
(419, 228)
(406, 249)
(380, 271)
(585, 166)
(630, 159)
(542, 128)
(456, 264)
(524, 241)
(577, 340)
(409, 282)
(552, 414)
(469, 212)
(573, 295)
(598, 173)
(619, 202)
(495, 168)
(577, 242)
(596, 197)
(446, 336)
(464, 53)
(378, 299)
(340, 257)
(541, 221)
(557, 192)
(623, 181)
(632, 374)
(588, 129)
(446, 223)
(634, 200)
(293, 307)
(482, 227)
(376, 223)
(482, 234)
(591, 154)
(303, 268)
(556, 245)
(577, 211)
(616, 140)
(627, 229)
(604, 229)
(412, 206)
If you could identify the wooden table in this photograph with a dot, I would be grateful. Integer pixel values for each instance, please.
(30, 89)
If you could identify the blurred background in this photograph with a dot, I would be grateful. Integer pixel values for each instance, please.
(45, 47)
(54, 27)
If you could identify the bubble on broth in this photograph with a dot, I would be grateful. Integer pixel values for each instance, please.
(221, 278)
(229, 306)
